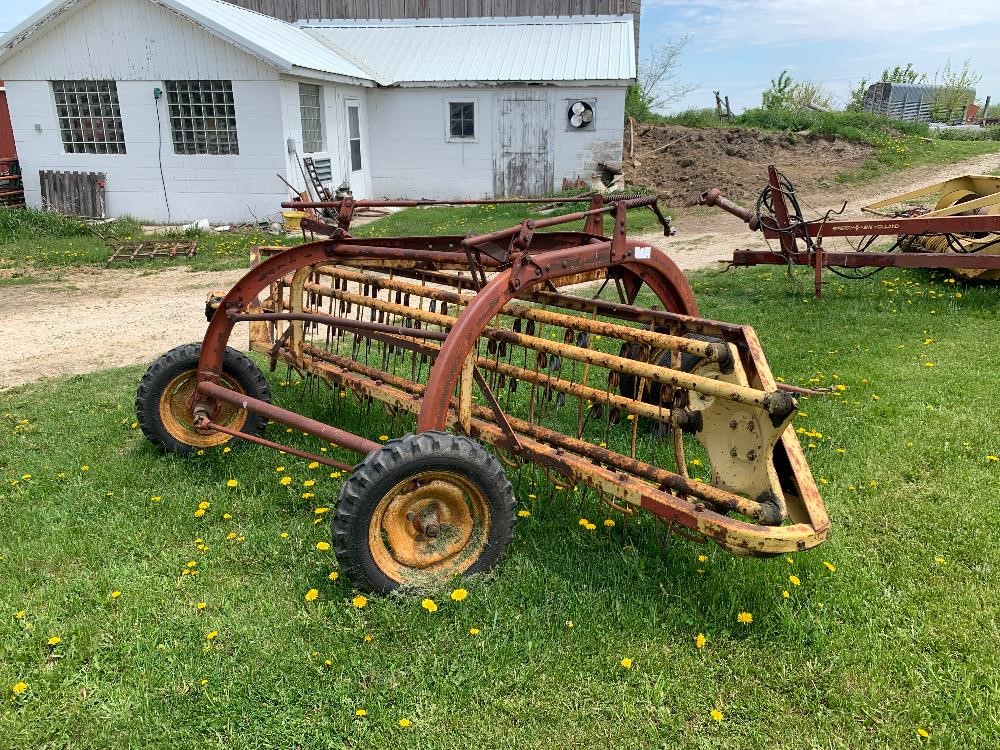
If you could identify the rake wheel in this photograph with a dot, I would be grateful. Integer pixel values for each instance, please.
(162, 401)
(422, 510)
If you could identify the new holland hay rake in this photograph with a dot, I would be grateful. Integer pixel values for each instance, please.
(961, 232)
(499, 339)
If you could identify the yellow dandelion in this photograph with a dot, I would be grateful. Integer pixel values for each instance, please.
(532, 497)
(323, 546)
(429, 605)
(700, 640)
(85, 468)
(204, 505)
(745, 617)
(115, 594)
(404, 723)
(795, 580)
(227, 516)
(369, 637)
(19, 688)
(569, 625)
(201, 605)
(211, 635)
(459, 594)
(626, 663)
(717, 714)
(309, 483)
(321, 511)
(54, 640)
(473, 631)
(524, 513)
(283, 535)
(383, 438)
(359, 601)
(583, 522)
(361, 712)
(312, 595)
(334, 575)
(279, 468)
(590, 526)
(924, 733)
(232, 483)
(785, 594)
(830, 566)
(695, 462)
(314, 465)
(609, 522)
(702, 558)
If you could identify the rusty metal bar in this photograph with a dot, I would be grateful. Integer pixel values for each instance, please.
(710, 351)
(852, 259)
(429, 202)
(348, 324)
(332, 435)
(202, 423)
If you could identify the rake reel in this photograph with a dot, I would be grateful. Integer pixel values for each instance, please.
(581, 352)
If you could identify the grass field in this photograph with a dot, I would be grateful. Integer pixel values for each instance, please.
(100, 548)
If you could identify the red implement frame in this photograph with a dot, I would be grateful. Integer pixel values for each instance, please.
(521, 263)
(788, 234)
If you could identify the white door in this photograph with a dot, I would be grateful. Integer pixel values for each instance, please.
(355, 157)
(524, 163)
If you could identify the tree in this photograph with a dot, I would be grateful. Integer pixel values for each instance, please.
(785, 93)
(898, 74)
(957, 91)
(656, 83)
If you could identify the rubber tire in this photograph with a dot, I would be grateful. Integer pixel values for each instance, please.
(393, 463)
(180, 359)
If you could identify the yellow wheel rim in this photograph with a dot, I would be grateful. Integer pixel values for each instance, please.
(429, 527)
(175, 412)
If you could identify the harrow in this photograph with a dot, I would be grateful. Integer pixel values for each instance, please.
(961, 232)
(580, 352)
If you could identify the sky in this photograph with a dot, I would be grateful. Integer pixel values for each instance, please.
(738, 46)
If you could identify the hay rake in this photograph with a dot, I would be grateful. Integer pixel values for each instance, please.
(535, 343)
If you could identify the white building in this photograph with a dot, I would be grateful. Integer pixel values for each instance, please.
(191, 107)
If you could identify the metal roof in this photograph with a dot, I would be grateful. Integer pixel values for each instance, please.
(534, 48)
(281, 44)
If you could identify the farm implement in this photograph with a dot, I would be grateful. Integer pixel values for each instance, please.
(579, 352)
(960, 231)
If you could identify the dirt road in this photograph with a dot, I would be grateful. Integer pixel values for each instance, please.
(92, 319)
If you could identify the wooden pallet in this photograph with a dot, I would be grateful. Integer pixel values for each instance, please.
(149, 249)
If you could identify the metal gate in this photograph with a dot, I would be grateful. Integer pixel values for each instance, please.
(522, 163)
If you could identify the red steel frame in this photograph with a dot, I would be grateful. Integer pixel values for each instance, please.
(515, 271)
(819, 258)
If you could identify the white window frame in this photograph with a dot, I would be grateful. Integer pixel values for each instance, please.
(348, 104)
(475, 119)
(322, 119)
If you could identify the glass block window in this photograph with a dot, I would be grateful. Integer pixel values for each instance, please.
(90, 121)
(354, 135)
(202, 117)
(311, 111)
(462, 119)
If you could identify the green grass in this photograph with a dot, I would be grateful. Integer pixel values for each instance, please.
(901, 636)
(898, 145)
(39, 239)
(36, 239)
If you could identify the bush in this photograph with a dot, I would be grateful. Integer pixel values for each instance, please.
(961, 134)
(693, 118)
(19, 223)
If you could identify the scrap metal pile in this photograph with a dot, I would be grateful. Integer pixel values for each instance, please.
(581, 352)
(960, 232)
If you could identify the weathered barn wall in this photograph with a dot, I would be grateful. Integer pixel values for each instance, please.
(413, 157)
(139, 45)
(294, 10)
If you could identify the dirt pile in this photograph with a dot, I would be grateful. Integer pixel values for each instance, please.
(679, 163)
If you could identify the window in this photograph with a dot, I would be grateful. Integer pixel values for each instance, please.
(461, 119)
(202, 117)
(311, 111)
(89, 118)
(354, 135)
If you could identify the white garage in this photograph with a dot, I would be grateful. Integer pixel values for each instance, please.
(183, 109)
